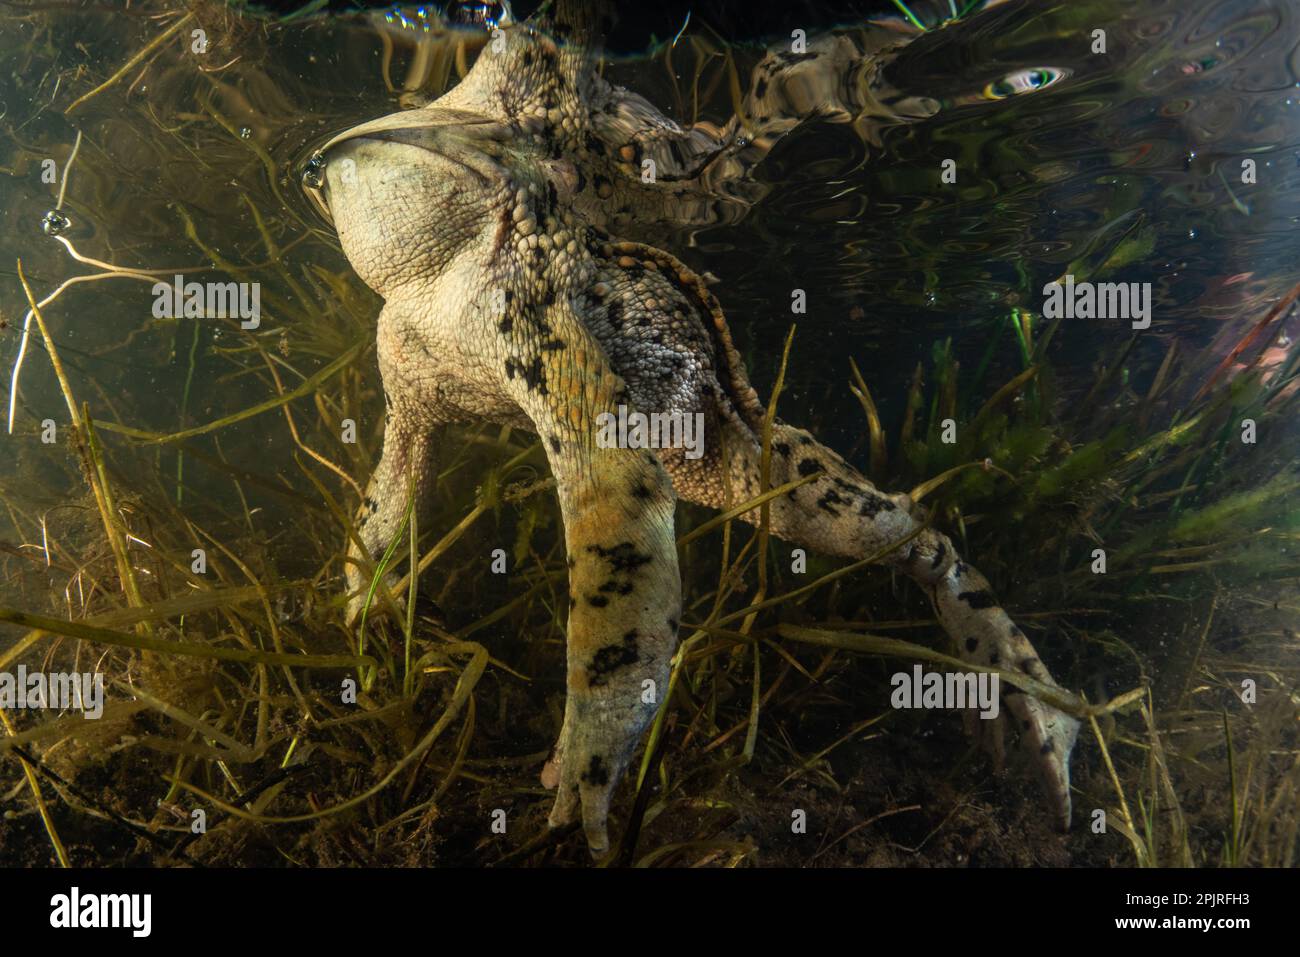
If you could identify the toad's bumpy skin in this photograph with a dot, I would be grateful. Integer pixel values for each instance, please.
(482, 220)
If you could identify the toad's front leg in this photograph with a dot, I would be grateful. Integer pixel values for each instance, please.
(407, 466)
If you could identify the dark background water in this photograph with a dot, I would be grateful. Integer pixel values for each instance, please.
(1140, 146)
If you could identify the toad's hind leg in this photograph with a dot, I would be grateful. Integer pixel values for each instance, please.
(624, 584)
(624, 606)
(841, 513)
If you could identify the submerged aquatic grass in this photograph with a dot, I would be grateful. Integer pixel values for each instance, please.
(232, 684)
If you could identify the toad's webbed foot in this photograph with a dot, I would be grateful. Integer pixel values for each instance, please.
(986, 636)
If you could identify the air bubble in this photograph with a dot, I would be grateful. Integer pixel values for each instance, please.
(245, 132)
(313, 174)
(55, 223)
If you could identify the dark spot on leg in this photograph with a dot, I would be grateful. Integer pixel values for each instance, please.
(978, 599)
(596, 774)
(622, 557)
(612, 657)
(831, 499)
(873, 505)
(972, 644)
(532, 373)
